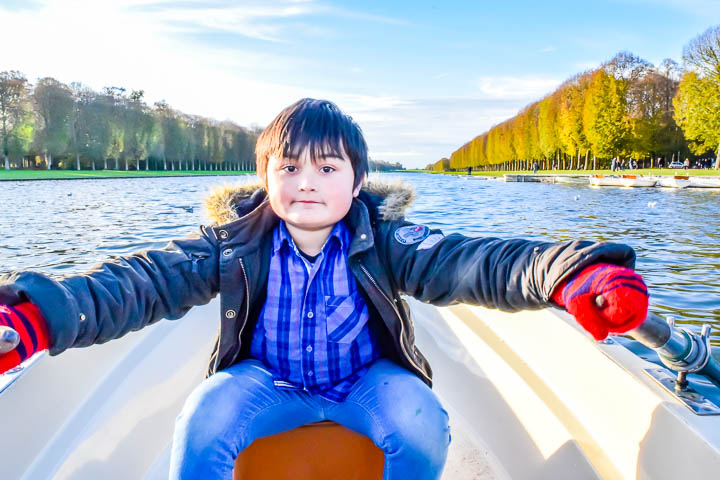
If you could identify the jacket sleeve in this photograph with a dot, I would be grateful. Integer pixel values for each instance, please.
(120, 296)
(509, 274)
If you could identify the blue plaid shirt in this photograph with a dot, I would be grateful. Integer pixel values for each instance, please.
(312, 332)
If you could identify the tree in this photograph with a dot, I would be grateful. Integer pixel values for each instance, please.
(54, 104)
(605, 115)
(698, 104)
(13, 111)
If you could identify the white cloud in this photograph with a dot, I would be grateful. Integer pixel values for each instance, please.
(548, 49)
(527, 87)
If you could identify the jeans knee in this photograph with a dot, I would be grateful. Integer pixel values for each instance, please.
(425, 437)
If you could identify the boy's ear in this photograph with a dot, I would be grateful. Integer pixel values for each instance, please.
(356, 190)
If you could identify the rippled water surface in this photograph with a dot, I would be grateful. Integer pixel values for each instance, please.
(65, 226)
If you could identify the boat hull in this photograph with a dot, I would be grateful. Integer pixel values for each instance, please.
(530, 395)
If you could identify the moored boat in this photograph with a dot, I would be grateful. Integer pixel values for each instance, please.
(698, 181)
(637, 181)
(600, 180)
(674, 181)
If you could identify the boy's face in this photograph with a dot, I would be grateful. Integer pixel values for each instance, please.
(311, 196)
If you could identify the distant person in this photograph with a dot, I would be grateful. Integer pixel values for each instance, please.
(686, 165)
(633, 164)
(661, 162)
(613, 164)
(535, 167)
(469, 170)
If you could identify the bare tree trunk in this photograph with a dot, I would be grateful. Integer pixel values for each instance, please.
(77, 160)
(105, 163)
(172, 165)
(126, 164)
(164, 161)
(587, 152)
(7, 163)
(717, 159)
(147, 164)
(594, 163)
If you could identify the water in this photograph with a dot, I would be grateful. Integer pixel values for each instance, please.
(63, 227)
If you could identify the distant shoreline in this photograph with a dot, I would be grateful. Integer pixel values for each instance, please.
(643, 171)
(35, 175)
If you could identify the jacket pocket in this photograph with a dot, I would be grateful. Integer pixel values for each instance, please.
(345, 316)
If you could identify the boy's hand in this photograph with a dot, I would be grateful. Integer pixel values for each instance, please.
(27, 321)
(623, 302)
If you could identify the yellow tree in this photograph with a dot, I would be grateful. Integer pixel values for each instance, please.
(605, 118)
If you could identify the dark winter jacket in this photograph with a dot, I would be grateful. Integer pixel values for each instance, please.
(232, 258)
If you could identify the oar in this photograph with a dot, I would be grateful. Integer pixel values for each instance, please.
(679, 349)
(9, 339)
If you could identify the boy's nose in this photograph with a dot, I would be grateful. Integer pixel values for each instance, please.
(305, 183)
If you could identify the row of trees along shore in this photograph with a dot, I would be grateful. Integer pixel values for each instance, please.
(53, 125)
(625, 108)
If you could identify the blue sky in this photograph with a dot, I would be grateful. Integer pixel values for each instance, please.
(421, 77)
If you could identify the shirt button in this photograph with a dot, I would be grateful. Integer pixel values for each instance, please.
(310, 315)
(82, 317)
(309, 348)
(363, 236)
(223, 234)
(227, 252)
(311, 373)
(230, 314)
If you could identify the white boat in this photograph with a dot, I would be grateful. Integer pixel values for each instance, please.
(698, 181)
(530, 396)
(600, 180)
(637, 181)
(674, 181)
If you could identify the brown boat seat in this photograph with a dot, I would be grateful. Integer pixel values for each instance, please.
(319, 451)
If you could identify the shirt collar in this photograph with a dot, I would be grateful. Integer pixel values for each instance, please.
(282, 236)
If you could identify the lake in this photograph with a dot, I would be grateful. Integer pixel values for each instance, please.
(65, 226)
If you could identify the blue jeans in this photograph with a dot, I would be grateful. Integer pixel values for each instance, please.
(232, 408)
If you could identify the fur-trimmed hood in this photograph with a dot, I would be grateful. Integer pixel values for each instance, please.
(229, 202)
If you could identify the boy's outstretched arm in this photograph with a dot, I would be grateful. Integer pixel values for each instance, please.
(510, 274)
(117, 297)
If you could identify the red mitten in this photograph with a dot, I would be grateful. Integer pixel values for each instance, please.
(625, 299)
(28, 322)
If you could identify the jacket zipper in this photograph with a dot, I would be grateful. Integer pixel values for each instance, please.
(247, 293)
(216, 354)
(402, 325)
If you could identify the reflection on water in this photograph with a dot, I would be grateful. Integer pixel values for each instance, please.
(64, 227)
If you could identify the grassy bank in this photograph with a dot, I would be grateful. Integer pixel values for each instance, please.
(642, 171)
(89, 174)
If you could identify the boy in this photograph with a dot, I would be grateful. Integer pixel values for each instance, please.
(310, 268)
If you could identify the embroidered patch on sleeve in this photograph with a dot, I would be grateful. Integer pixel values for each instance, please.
(431, 241)
(411, 234)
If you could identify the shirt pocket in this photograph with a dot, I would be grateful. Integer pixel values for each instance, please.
(345, 316)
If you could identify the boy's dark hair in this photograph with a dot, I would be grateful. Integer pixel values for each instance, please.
(317, 125)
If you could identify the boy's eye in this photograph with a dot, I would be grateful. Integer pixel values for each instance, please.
(327, 169)
(290, 168)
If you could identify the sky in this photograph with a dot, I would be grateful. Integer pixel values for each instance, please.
(420, 77)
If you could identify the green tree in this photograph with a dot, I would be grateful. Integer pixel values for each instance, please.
(698, 101)
(14, 107)
(53, 102)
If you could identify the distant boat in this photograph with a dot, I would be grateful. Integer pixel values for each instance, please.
(674, 181)
(600, 180)
(637, 181)
(705, 182)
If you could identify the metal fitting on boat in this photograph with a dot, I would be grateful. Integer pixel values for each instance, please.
(679, 349)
